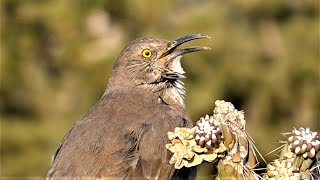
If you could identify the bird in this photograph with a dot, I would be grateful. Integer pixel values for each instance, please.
(123, 135)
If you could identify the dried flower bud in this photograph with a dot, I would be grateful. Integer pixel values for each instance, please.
(304, 142)
(282, 169)
(206, 133)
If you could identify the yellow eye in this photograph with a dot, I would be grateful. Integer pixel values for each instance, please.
(146, 53)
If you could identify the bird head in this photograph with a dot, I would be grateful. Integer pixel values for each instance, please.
(153, 64)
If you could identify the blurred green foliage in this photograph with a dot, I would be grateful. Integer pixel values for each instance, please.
(56, 57)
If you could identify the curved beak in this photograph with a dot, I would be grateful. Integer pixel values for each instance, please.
(174, 53)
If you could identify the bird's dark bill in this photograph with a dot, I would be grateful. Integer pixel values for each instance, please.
(174, 53)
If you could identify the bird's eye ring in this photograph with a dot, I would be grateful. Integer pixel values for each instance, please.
(146, 53)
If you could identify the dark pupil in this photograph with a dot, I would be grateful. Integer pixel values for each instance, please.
(147, 53)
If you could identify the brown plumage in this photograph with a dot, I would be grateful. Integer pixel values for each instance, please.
(123, 136)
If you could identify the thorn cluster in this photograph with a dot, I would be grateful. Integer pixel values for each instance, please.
(304, 142)
(282, 169)
(207, 133)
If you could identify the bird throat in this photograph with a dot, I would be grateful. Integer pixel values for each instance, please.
(175, 91)
(174, 94)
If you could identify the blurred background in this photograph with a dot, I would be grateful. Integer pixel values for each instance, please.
(56, 57)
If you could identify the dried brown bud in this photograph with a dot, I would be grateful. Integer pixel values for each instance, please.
(303, 141)
(281, 169)
(208, 132)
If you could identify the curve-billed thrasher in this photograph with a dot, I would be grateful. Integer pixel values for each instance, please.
(123, 136)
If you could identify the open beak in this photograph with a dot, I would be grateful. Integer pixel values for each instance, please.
(179, 52)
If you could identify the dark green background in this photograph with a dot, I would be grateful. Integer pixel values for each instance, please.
(56, 57)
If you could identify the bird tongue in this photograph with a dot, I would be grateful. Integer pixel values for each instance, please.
(180, 52)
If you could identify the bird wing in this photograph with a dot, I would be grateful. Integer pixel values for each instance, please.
(153, 157)
(98, 145)
(117, 139)
(153, 160)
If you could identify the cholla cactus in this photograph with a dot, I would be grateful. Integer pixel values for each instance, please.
(186, 152)
(240, 158)
(304, 142)
(299, 157)
(282, 169)
(220, 139)
(207, 133)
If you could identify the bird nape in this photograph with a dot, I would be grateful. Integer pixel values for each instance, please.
(123, 135)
